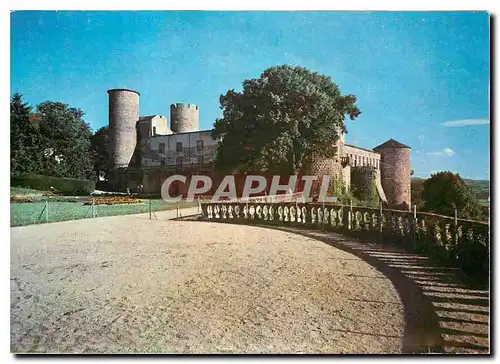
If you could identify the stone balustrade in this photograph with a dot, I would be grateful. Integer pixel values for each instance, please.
(458, 242)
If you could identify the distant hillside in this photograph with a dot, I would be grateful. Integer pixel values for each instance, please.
(481, 188)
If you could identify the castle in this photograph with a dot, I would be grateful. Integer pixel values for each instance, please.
(144, 151)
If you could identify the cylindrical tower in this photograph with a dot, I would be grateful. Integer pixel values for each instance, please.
(123, 116)
(395, 173)
(184, 118)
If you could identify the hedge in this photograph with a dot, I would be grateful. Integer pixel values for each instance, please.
(71, 186)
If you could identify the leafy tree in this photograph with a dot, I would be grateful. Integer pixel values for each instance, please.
(445, 191)
(23, 138)
(65, 141)
(417, 186)
(280, 121)
(99, 143)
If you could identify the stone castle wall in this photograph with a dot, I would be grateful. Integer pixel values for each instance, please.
(183, 146)
(123, 116)
(396, 176)
(322, 167)
(361, 157)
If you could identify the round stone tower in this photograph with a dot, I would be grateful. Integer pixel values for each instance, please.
(184, 118)
(123, 116)
(395, 173)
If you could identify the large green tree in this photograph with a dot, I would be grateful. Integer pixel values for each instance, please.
(99, 143)
(65, 141)
(23, 138)
(445, 191)
(280, 121)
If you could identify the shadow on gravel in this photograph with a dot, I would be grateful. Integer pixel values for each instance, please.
(443, 313)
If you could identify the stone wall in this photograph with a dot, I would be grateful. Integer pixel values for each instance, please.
(195, 148)
(323, 167)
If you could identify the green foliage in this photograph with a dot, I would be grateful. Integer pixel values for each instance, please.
(65, 141)
(480, 188)
(99, 144)
(71, 186)
(280, 120)
(445, 191)
(341, 191)
(417, 186)
(53, 141)
(363, 186)
(23, 138)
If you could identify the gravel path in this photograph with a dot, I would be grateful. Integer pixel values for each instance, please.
(127, 284)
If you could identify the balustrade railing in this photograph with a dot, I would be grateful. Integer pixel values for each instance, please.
(459, 242)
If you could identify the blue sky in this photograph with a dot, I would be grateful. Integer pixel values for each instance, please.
(421, 78)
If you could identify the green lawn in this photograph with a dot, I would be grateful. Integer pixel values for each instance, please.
(31, 213)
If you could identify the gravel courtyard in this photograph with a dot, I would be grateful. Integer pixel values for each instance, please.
(127, 284)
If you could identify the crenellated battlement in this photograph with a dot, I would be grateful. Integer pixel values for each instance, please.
(184, 118)
(184, 106)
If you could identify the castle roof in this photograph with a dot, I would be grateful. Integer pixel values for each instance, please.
(148, 117)
(367, 150)
(391, 143)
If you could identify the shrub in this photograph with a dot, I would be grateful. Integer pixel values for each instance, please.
(341, 191)
(68, 186)
(363, 186)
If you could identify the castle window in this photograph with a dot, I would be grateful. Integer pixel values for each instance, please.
(178, 161)
(161, 148)
(199, 158)
(162, 161)
(154, 130)
(199, 145)
(178, 147)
